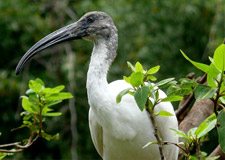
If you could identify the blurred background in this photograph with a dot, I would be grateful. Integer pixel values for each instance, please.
(150, 31)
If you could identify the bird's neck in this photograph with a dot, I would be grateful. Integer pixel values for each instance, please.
(103, 54)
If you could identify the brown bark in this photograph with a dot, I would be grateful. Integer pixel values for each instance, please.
(199, 112)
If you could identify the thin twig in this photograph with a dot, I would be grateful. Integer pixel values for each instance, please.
(219, 104)
(9, 145)
(198, 150)
(179, 146)
(11, 151)
(159, 140)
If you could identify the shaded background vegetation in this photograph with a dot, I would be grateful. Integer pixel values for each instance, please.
(150, 31)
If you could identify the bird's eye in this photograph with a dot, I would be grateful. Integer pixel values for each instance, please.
(90, 19)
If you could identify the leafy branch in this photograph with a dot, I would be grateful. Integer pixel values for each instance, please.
(215, 89)
(37, 106)
(146, 95)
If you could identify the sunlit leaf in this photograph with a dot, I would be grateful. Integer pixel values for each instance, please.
(138, 67)
(38, 80)
(53, 90)
(2, 155)
(179, 134)
(207, 125)
(191, 132)
(149, 143)
(52, 114)
(219, 57)
(213, 75)
(131, 66)
(153, 70)
(151, 78)
(172, 99)
(200, 66)
(27, 105)
(141, 96)
(51, 103)
(36, 87)
(213, 158)
(136, 79)
(59, 96)
(164, 113)
(127, 79)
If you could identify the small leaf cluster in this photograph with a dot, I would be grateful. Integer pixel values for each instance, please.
(195, 135)
(215, 90)
(146, 93)
(38, 104)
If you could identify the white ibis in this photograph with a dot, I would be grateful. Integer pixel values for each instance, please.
(119, 131)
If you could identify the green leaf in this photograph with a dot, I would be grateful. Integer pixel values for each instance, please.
(153, 70)
(212, 158)
(207, 125)
(148, 144)
(213, 75)
(38, 80)
(172, 99)
(36, 86)
(121, 94)
(50, 137)
(219, 57)
(151, 78)
(201, 66)
(51, 103)
(176, 90)
(27, 105)
(2, 155)
(202, 92)
(163, 82)
(53, 90)
(138, 67)
(187, 83)
(179, 134)
(221, 129)
(52, 114)
(141, 96)
(59, 96)
(191, 132)
(164, 113)
(131, 66)
(150, 105)
(136, 79)
(127, 79)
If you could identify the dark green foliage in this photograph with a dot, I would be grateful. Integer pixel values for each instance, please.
(221, 129)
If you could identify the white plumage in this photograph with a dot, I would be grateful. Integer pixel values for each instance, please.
(119, 131)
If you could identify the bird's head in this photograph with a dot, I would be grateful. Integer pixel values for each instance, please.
(93, 26)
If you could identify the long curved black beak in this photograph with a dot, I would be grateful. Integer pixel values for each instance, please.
(73, 31)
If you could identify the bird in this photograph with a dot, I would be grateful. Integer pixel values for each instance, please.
(118, 130)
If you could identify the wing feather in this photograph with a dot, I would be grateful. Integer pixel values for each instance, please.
(96, 133)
